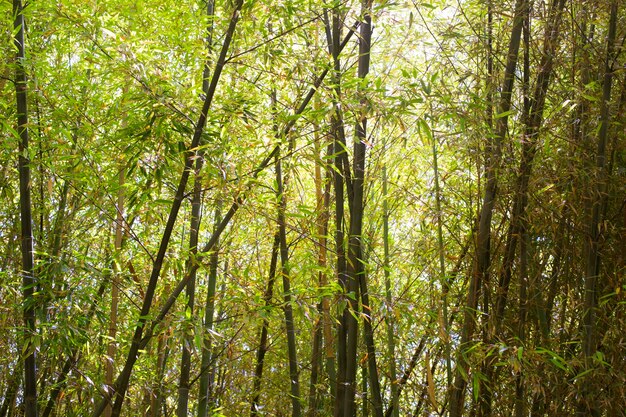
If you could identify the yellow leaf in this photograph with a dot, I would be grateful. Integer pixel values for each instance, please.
(442, 329)
(431, 383)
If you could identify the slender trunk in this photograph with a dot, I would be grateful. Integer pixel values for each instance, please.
(194, 228)
(327, 320)
(442, 264)
(287, 308)
(276, 250)
(41, 169)
(196, 204)
(356, 266)
(374, 381)
(341, 273)
(28, 277)
(52, 270)
(593, 255)
(163, 351)
(115, 283)
(339, 150)
(480, 276)
(365, 411)
(520, 389)
(316, 354)
(490, 79)
(206, 73)
(205, 390)
(389, 315)
(589, 405)
(556, 272)
(322, 342)
(263, 343)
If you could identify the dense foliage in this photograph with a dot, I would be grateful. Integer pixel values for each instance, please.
(313, 208)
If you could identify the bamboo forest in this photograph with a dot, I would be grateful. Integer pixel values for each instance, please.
(313, 208)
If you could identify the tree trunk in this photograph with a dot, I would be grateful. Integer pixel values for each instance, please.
(163, 353)
(339, 150)
(520, 388)
(263, 345)
(187, 343)
(357, 276)
(115, 284)
(205, 389)
(322, 342)
(287, 308)
(589, 405)
(316, 354)
(389, 315)
(183, 392)
(28, 277)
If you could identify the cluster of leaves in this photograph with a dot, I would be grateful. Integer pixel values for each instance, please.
(116, 87)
